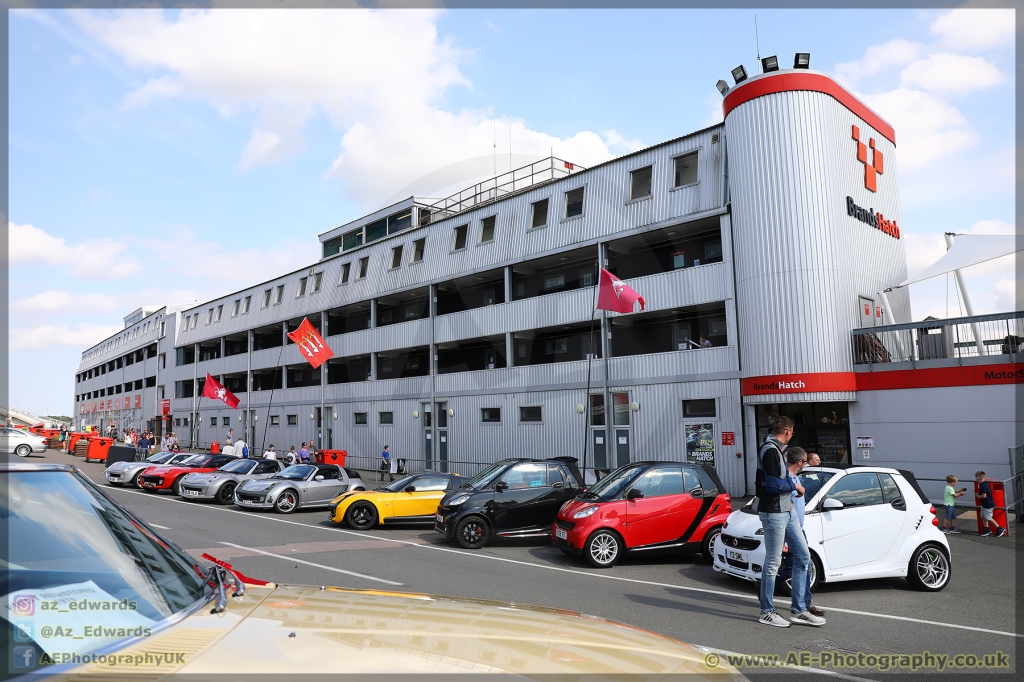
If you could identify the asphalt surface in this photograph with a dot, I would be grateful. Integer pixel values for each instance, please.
(673, 594)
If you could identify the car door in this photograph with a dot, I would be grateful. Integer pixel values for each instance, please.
(666, 509)
(525, 501)
(265, 469)
(865, 528)
(424, 500)
(5, 440)
(326, 489)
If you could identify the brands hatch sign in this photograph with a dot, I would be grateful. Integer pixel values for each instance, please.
(871, 172)
(875, 220)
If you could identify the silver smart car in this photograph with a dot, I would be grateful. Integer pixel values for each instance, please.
(127, 473)
(302, 485)
(220, 485)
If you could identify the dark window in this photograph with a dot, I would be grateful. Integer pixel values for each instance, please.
(417, 250)
(539, 217)
(151, 351)
(364, 263)
(490, 414)
(661, 481)
(184, 389)
(460, 237)
(302, 287)
(138, 383)
(275, 420)
(640, 183)
(530, 414)
(293, 420)
(185, 355)
(346, 269)
(387, 417)
(332, 246)
(396, 257)
(574, 202)
(279, 294)
(400, 221)
(352, 239)
(424, 217)
(377, 230)
(857, 490)
(266, 298)
(487, 229)
(360, 417)
(686, 170)
(245, 304)
(699, 408)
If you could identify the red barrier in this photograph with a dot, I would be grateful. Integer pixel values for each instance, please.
(98, 449)
(75, 437)
(999, 497)
(331, 457)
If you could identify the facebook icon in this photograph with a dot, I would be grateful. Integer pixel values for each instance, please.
(24, 657)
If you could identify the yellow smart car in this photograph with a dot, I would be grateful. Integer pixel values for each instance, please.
(411, 498)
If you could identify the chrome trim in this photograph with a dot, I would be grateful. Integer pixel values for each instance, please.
(640, 549)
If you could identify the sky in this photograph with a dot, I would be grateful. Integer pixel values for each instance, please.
(161, 157)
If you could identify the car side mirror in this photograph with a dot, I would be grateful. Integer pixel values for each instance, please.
(830, 504)
(319, 477)
(410, 488)
(500, 486)
(634, 493)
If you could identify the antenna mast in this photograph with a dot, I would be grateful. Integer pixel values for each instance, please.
(757, 45)
(494, 133)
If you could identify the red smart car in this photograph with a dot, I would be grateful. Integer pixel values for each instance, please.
(167, 477)
(642, 506)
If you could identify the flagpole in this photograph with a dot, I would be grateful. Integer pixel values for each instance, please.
(266, 425)
(590, 362)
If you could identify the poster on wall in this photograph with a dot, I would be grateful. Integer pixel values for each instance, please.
(700, 443)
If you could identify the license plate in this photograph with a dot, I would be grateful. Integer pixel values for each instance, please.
(113, 478)
(561, 534)
(738, 556)
(193, 493)
(246, 501)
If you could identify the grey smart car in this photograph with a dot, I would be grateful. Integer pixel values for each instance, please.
(220, 485)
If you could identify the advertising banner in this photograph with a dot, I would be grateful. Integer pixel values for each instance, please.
(700, 443)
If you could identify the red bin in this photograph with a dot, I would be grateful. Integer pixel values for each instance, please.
(98, 449)
(215, 448)
(75, 437)
(999, 497)
(331, 457)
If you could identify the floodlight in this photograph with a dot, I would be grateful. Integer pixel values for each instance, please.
(770, 64)
(739, 74)
(802, 60)
(723, 87)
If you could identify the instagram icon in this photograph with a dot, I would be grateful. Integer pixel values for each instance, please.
(25, 605)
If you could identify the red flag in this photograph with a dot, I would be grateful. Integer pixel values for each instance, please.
(614, 295)
(214, 389)
(313, 346)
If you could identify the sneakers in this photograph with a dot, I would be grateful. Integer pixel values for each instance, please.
(986, 533)
(807, 618)
(815, 610)
(772, 618)
(954, 531)
(944, 530)
(1001, 532)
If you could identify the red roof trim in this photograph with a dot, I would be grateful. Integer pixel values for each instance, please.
(790, 82)
(938, 377)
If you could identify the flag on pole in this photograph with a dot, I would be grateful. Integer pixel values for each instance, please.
(614, 295)
(214, 389)
(313, 346)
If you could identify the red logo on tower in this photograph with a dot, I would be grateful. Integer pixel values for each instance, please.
(876, 167)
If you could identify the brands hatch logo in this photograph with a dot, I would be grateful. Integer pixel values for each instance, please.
(876, 167)
(780, 385)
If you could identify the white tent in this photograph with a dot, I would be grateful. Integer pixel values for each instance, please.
(970, 249)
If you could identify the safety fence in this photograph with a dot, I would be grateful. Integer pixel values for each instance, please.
(955, 338)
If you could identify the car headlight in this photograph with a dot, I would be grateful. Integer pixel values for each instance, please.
(759, 531)
(458, 499)
(585, 512)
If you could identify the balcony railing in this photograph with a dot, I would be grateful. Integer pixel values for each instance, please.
(957, 338)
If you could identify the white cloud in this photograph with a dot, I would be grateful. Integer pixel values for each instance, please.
(951, 74)
(973, 29)
(1009, 294)
(46, 336)
(92, 259)
(50, 302)
(926, 128)
(893, 54)
(378, 75)
(991, 227)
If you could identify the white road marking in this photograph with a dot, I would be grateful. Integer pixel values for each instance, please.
(721, 593)
(157, 525)
(310, 563)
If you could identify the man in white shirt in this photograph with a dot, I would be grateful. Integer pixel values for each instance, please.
(270, 454)
(229, 449)
(240, 447)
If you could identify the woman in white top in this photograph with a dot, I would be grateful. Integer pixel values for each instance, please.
(229, 449)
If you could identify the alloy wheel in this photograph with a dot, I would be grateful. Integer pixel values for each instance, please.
(286, 503)
(23, 451)
(226, 494)
(604, 549)
(362, 516)
(932, 568)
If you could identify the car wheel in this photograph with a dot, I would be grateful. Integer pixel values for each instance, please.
(707, 546)
(23, 450)
(472, 532)
(786, 586)
(226, 494)
(603, 549)
(176, 486)
(929, 568)
(361, 516)
(287, 502)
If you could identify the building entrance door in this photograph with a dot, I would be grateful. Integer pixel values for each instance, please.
(620, 422)
(442, 437)
(823, 427)
(428, 440)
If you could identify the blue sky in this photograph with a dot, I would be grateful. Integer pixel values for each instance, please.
(166, 157)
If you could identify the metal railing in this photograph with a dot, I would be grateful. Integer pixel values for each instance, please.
(371, 463)
(956, 338)
(500, 186)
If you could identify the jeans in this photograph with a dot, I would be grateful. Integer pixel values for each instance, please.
(778, 529)
(786, 571)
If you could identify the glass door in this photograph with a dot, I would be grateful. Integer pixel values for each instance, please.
(620, 420)
(428, 442)
(442, 437)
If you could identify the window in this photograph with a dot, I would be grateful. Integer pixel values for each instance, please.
(351, 240)
(640, 183)
(554, 282)
(857, 490)
(490, 415)
(530, 414)
(377, 230)
(209, 316)
(460, 237)
(235, 307)
(275, 420)
(302, 287)
(424, 217)
(220, 313)
(400, 221)
(585, 277)
(527, 475)
(699, 408)
(318, 280)
(540, 214)
(387, 417)
(686, 170)
(245, 304)
(396, 257)
(266, 298)
(138, 383)
(279, 294)
(332, 246)
(346, 270)
(428, 483)
(556, 346)
(487, 229)
(184, 323)
(417, 250)
(360, 417)
(661, 481)
(195, 321)
(574, 202)
(293, 420)
(364, 263)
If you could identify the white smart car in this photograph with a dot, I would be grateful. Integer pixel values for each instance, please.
(861, 522)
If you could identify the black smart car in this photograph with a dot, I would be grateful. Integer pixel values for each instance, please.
(513, 498)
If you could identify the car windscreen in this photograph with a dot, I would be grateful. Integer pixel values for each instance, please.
(812, 481)
(400, 484)
(239, 466)
(486, 477)
(613, 484)
(159, 458)
(68, 542)
(189, 461)
(295, 473)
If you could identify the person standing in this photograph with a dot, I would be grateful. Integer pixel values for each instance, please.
(797, 459)
(270, 453)
(949, 495)
(291, 457)
(165, 443)
(229, 449)
(387, 462)
(241, 449)
(231, 435)
(988, 506)
(304, 453)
